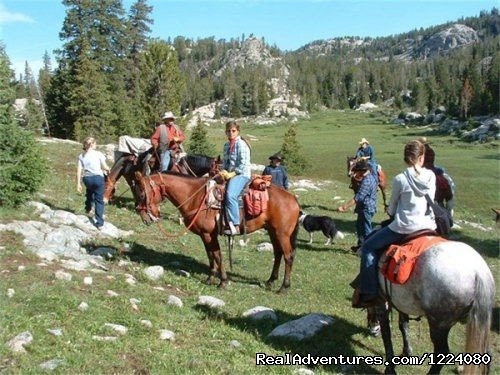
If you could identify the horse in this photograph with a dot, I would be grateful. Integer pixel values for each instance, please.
(450, 283)
(128, 164)
(187, 193)
(382, 178)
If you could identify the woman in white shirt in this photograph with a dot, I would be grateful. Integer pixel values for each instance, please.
(411, 213)
(92, 165)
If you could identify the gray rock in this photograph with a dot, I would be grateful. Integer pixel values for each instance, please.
(55, 332)
(302, 328)
(260, 313)
(175, 301)
(17, 344)
(234, 344)
(165, 334)
(154, 272)
(61, 275)
(183, 273)
(210, 301)
(52, 364)
(118, 328)
(265, 246)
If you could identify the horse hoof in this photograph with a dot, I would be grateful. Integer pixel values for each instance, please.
(283, 290)
(269, 285)
(222, 285)
(210, 281)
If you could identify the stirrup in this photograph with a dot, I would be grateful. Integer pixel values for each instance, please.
(232, 230)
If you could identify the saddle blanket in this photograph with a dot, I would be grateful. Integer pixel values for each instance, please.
(401, 259)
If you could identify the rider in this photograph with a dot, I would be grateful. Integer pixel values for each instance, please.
(411, 213)
(236, 164)
(277, 171)
(366, 152)
(430, 156)
(167, 138)
(365, 201)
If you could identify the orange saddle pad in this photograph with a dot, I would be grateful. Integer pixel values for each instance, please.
(401, 259)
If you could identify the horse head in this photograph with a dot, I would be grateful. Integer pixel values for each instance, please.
(109, 189)
(150, 198)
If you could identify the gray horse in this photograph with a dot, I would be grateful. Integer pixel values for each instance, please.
(450, 283)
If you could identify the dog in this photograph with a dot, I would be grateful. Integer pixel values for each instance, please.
(325, 224)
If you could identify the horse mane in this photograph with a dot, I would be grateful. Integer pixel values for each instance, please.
(198, 162)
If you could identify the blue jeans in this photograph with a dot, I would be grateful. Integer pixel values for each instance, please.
(165, 160)
(233, 190)
(95, 194)
(364, 225)
(370, 254)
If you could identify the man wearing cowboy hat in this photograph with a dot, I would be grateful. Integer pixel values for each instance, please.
(366, 152)
(277, 171)
(167, 139)
(365, 200)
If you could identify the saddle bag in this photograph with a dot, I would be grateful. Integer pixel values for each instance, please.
(256, 201)
(401, 258)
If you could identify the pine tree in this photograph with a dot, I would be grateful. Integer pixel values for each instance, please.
(22, 166)
(163, 83)
(199, 143)
(466, 97)
(294, 160)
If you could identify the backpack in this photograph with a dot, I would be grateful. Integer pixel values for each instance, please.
(443, 219)
(256, 201)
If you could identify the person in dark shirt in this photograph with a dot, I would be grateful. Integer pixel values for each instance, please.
(277, 171)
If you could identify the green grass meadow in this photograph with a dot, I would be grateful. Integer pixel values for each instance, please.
(320, 274)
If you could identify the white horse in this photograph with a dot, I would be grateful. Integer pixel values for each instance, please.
(451, 282)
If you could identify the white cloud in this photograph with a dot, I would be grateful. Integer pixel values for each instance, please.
(10, 17)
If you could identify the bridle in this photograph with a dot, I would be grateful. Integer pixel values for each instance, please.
(160, 191)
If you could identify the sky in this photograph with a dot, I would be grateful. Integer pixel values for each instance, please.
(28, 28)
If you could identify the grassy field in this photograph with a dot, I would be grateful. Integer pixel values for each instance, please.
(319, 280)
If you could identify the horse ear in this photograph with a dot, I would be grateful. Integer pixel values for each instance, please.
(138, 175)
(218, 159)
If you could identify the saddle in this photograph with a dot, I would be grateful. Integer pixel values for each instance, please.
(400, 258)
(253, 199)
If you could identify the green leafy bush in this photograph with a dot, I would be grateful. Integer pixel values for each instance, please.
(22, 166)
(294, 160)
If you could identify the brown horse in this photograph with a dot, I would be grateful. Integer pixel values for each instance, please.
(382, 178)
(445, 190)
(281, 219)
(127, 165)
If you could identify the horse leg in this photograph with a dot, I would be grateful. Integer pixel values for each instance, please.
(373, 323)
(277, 260)
(404, 327)
(212, 247)
(282, 244)
(439, 337)
(385, 326)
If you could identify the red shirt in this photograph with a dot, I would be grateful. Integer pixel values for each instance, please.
(172, 131)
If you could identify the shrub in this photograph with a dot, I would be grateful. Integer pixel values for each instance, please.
(294, 160)
(22, 166)
(199, 143)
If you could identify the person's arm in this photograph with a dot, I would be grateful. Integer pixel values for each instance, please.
(104, 165)
(155, 138)
(79, 177)
(285, 178)
(244, 157)
(179, 135)
(267, 171)
(346, 206)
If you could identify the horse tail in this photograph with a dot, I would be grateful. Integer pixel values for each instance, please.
(479, 320)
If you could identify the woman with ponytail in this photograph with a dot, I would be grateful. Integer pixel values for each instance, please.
(92, 165)
(411, 213)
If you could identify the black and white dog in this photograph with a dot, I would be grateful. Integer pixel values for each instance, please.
(320, 223)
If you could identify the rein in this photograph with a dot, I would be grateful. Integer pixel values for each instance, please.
(197, 212)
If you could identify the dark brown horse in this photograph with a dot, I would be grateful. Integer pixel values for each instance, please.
(188, 194)
(382, 179)
(127, 165)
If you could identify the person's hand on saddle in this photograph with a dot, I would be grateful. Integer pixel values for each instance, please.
(79, 188)
(227, 175)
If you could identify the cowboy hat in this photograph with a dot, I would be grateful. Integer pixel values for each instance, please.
(168, 115)
(361, 166)
(277, 156)
(364, 140)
